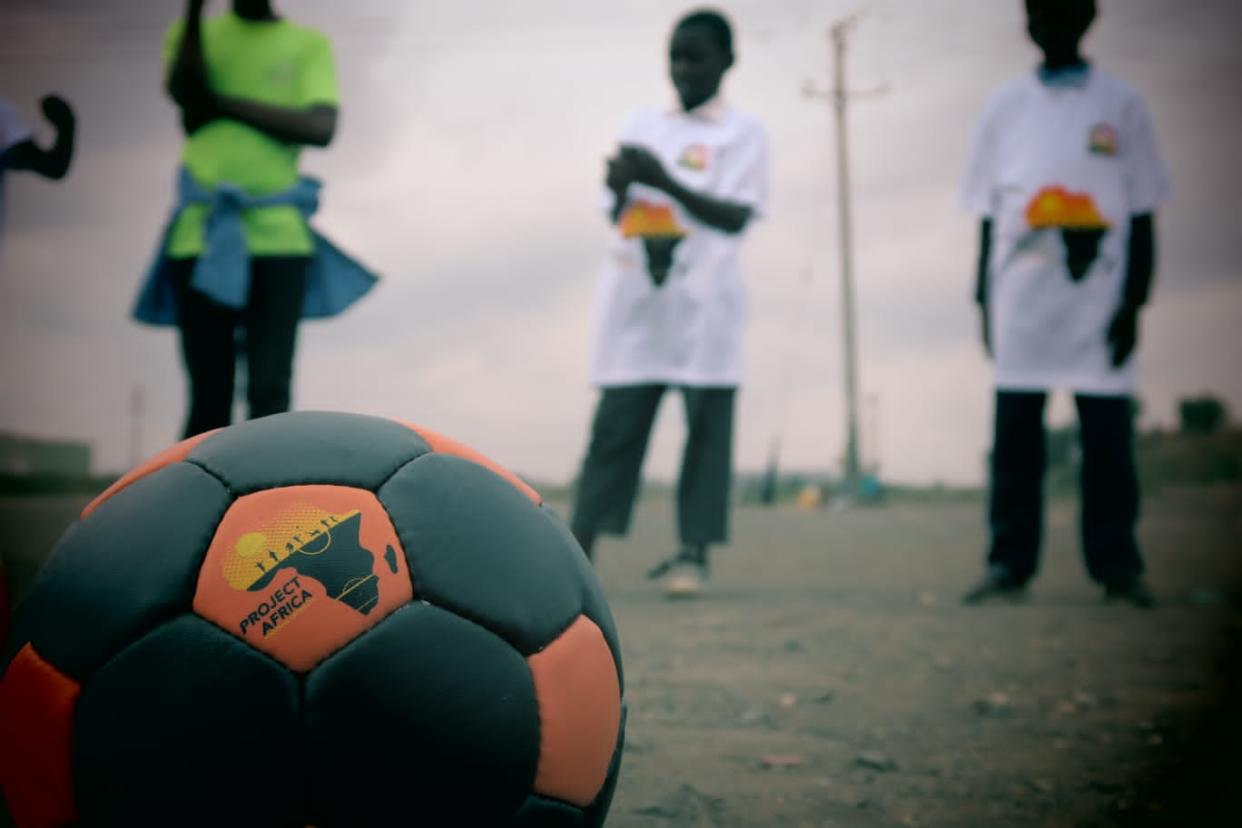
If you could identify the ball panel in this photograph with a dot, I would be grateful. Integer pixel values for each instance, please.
(428, 717)
(167, 457)
(537, 812)
(298, 572)
(309, 447)
(122, 571)
(447, 445)
(594, 604)
(480, 548)
(597, 812)
(188, 718)
(579, 713)
(37, 702)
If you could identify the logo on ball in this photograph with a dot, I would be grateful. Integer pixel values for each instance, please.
(304, 541)
(322, 558)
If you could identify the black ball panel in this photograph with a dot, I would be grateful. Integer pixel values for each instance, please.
(132, 564)
(308, 447)
(425, 717)
(538, 812)
(478, 547)
(188, 726)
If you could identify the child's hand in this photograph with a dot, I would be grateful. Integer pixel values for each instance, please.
(643, 167)
(618, 177)
(1123, 334)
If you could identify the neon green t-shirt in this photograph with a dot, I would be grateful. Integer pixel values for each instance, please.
(271, 62)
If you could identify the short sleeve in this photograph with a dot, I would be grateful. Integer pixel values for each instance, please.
(979, 182)
(317, 77)
(13, 128)
(1146, 176)
(744, 179)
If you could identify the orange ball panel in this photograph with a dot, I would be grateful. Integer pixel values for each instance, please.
(36, 725)
(579, 698)
(298, 572)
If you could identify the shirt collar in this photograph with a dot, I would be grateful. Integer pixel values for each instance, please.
(711, 111)
(1072, 77)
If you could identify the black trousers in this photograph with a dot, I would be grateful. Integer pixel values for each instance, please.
(610, 475)
(268, 329)
(1109, 484)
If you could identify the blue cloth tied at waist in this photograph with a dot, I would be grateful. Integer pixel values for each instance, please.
(334, 280)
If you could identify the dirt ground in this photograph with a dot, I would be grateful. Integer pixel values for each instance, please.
(832, 677)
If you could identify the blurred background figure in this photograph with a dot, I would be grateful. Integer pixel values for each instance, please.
(1066, 176)
(18, 151)
(682, 188)
(239, 256)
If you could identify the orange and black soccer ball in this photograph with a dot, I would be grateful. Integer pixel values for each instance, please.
(313, 619)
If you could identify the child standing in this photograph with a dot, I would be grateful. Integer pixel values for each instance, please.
(1066, 176)
(239, 254)
(682, 188)
(18, 151)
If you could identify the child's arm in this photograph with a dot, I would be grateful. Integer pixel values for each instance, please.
(186, 78)
(1140, 269)
(981, 281)
(618, 182)
(188, 85)
(640, 166)
(314, 126)
(50, 163)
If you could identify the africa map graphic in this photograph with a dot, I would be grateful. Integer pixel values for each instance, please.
(1079, 221)
(316, 544)
(660, 232)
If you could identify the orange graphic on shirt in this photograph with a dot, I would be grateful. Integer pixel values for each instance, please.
(1058, 207)
(646, 220)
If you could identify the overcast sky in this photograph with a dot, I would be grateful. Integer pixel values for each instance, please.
(466, 171)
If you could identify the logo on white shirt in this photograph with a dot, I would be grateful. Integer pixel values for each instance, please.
(695, 157)
(1103, 140)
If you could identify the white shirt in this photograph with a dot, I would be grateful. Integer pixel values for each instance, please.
(1047, 157)
(689, 330)
(13, 130)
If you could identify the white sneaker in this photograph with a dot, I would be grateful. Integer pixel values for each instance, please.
(685, 579)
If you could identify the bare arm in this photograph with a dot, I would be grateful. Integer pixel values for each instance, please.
(313, 126)
(982, 295)
(1141, 261)
(636, 164)
(53, 162)
(188, 85)
(1140, 270)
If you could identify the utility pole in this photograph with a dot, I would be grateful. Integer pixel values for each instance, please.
(839, 95)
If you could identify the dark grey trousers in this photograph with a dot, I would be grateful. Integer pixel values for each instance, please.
(608, 483)
(1110, 488)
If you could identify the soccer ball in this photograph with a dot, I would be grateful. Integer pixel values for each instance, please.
(313, 619)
